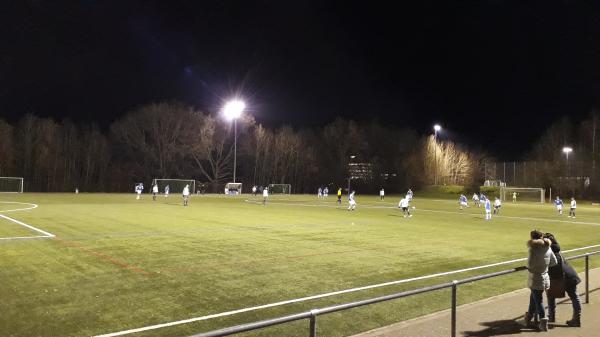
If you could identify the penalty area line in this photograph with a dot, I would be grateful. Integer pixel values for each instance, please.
(26, 237)
(46, 234)
(319, 296)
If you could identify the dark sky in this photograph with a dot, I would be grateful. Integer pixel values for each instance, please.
(493, 72)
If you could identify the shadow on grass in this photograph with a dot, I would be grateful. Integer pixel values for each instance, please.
(499, 328)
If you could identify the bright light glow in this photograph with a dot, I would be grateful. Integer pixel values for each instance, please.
(233, 109)
(352, 157)
(437, 127)
(567, 150)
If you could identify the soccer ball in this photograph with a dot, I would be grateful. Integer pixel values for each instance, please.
(414, 207)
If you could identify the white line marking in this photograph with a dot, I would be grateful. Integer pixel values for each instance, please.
(31, 206)
(26, 237)
(50, 235)
(308, 298)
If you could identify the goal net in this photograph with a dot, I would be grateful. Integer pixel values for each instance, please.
(175, 185)
(522, 194)
(11, 185)
(233, 188)
(280, 189)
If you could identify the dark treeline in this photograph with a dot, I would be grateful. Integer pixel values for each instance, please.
(171, 140)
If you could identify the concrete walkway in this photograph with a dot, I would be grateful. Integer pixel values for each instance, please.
(501, 316)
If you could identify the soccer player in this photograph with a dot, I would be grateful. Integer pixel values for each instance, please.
(462, 201)
(381, 194)
(138, 189)
(320, 193)
(488, 209)
(409, 194)
(573, 207)
(559, 205)
(404, 204)
(476, 199)
(154, 192)
(482, 198)
(514, 197)
(186, 194)
(497, 205)
(325, 192)
(254, 190)
(167, 189)
(351, 202)
(265, 196)
(339, 195)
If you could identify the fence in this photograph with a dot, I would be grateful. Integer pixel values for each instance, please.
(536, 174)
(311, 315)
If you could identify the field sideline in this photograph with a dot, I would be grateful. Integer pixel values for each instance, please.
(117, 263)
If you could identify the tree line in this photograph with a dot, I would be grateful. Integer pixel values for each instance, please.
(172, 140)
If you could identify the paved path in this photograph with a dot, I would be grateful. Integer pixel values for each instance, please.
(501, 316)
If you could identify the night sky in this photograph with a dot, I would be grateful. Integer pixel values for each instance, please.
(494, 73)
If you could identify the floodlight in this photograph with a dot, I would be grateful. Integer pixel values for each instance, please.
(233, 109)
(437, 127)
(567, 150)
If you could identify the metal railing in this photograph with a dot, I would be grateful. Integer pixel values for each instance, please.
(312, 314)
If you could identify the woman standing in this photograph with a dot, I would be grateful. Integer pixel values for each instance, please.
(540, 257)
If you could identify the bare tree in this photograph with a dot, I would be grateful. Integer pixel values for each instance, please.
(212, 151)
(7, 150)
(452, 164)
(156, 137)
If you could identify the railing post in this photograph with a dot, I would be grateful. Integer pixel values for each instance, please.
(453, 318)
(313, 323)
(587, 279)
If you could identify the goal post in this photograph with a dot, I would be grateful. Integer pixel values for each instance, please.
(523, 194)
(280, 189)
(233, 188)
(175, 185)
(11, 185)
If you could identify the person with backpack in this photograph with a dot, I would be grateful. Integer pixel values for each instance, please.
(563, 278)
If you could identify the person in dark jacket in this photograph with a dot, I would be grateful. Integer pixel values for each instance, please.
(563, 270)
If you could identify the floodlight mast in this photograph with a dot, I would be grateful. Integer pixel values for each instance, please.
(566, 150)
(436, 128)
(350, 172)
(232, 111)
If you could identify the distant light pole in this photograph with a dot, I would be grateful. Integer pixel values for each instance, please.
(232, 111)
(566, 150)
(350, 172)
(436, 128)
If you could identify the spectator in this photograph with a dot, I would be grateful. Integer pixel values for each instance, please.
(563, 275)
(540, 257)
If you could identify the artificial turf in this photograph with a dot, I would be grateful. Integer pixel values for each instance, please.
(118, 263)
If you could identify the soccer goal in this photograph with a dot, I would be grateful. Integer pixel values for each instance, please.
(523, 194)
(280, 188)
(175, 185)
(11, 185)
(233, 188)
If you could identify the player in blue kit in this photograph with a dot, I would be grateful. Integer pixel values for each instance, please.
(559, 204)
(488, 209)
(462, 201)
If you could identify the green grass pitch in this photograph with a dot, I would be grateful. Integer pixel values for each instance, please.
(118, 263)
